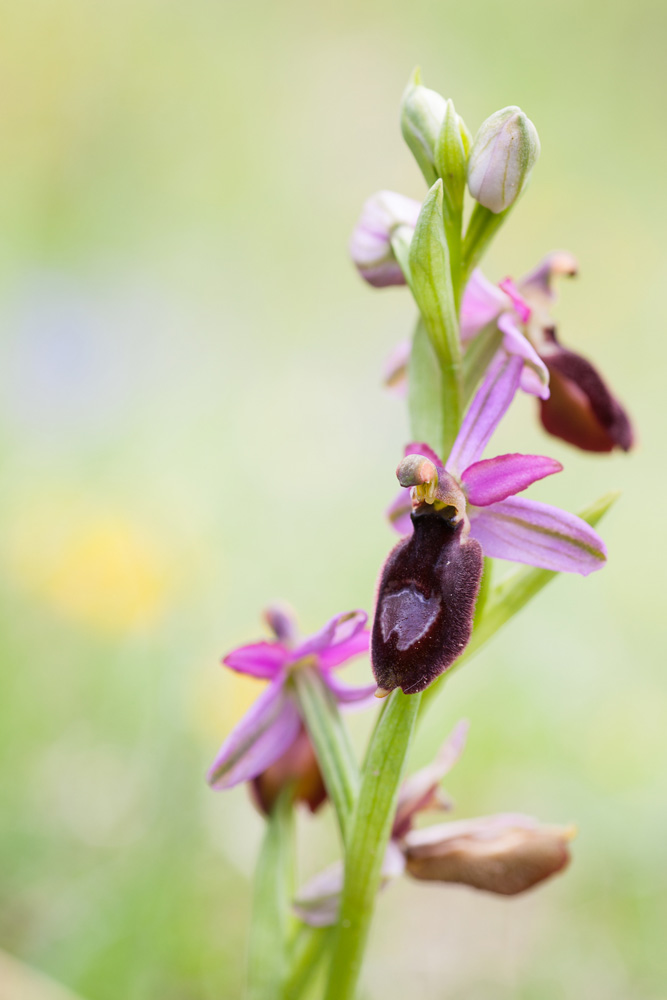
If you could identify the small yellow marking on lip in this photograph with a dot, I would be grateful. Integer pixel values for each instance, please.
(382, 693)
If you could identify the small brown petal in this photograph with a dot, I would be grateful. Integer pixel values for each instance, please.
(298, 766)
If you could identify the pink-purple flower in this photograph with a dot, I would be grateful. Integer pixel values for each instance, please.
(579, 408)
(575, 402)
(455, 511)
(273, 724)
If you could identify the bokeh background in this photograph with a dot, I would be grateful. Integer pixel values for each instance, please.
(193, 425)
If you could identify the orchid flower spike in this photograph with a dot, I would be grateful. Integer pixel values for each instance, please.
(457, 511)
(579, 407)
(272, 727)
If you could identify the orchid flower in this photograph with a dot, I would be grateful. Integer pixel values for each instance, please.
(575, 403)
(456, 511)
(506, 854)
(273, 726)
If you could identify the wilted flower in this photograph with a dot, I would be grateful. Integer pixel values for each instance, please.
(318, 901)
(456, 511)
(272, 725)
(370, 243)
(580, 408)
(505, 854)
(503, 154)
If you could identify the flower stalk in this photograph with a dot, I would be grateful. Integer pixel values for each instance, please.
(369, 836)
(267, 965)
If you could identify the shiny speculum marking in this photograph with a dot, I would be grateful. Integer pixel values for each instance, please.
(409, 615)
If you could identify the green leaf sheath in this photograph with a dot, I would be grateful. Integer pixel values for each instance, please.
(270, 908)
(369, 835)
(330, 739)
(425, 390)
(431, 285)
(510, 596)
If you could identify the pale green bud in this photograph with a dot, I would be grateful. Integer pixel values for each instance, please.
(503, 154)
(422, 115)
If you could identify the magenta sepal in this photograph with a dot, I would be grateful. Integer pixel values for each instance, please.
(538, 534)
(266, 731)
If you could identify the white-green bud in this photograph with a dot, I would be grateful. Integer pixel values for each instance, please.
(503, 154)
(422, 115)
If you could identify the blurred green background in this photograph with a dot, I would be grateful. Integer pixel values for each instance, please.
(193, 425)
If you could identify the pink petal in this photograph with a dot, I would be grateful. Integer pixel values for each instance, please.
(399, 512)
(419, 792)
(482, 302)
(495, 479)
(514, 342)
(263, 735)
(339, 629)
(538, 284)
(532, 383)
(318, 901)
(521, 307)
(259, 659)
(538, 534)
(487, 409)
(362, 697)
(337, 655)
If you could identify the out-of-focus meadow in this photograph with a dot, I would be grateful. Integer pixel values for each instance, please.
(193, 425)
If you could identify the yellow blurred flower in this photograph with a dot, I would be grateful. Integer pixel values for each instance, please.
(99, 568)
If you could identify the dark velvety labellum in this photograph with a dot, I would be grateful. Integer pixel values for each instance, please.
(581, 410)
(426, 599)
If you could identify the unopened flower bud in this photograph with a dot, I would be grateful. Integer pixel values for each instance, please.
(370, 245)
(502, 854)
(503, 154)
(422, 115)
(297, 767)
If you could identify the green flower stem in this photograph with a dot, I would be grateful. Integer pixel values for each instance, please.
(369, 835)
(310, 948)
(268, 936)
(330, 739)
(509, 597)
(482, 227)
